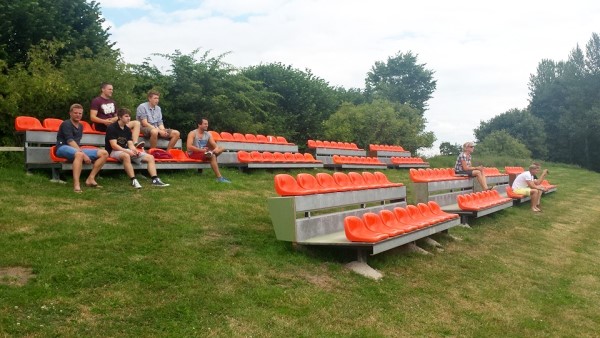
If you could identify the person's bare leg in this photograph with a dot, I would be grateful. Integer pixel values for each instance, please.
(151, 165)
(126, 160)
(534, 200)
(77, 165)
(481, 179)
(135, 130)
(174, 138)
(102, 157)
(215, 166)
(153, 138)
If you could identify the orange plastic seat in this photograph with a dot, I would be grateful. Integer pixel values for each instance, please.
(244, 157)
(181, 156)
(465, 202)
(382, 179)
(437, 210)
(87, 129)
(415, 213)
(344, 181)
(337, 159)
(374, 223)
(251, 138)
(256, 156)
(261, 138)
(358, 181)
(428, 214)
(24, 123)
(357, 231)
(408, 222)
(312, 144)
(389, 219)
(319, 144)
(215, 136)
(239, 137)
(278, 157)
(268, 156)
(286, 185)
(226, 136)
(511, 193)
(289, 157)
(327, 181)
(371, 180)
(299, 157)
(52, 124)
(309, 158)
(309, 182)
(327, 144)
(54, 157)
(282, 140)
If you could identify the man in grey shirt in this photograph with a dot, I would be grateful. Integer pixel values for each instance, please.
(151, 119)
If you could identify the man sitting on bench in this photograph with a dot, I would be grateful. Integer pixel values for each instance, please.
(525, 184)
(68, 140)
(200, 145)
(118, 142)
(463, 166)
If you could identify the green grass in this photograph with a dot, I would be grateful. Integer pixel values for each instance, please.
(201, 259)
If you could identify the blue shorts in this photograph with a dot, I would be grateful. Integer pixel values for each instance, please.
(68, 152)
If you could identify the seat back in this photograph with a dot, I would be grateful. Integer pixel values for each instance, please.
(251, 138)
(24, 123)
(268, 156)
(239, 137)
(307, 181)
(52, 124)
(244, 156)
(261, 138)
(215, 136)
(343, 180)
(282, 140)
(286, 185)
(226, 136)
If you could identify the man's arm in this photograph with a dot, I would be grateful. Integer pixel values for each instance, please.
(94, 118)
(190, 142)
(533, 185)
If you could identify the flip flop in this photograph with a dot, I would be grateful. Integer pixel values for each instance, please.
(77, 191)
(97, 186)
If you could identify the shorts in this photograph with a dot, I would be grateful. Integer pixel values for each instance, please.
(464, 172)
(523, 191)
(200, 155)
(146, 131)
(68, 152)
(117, 153)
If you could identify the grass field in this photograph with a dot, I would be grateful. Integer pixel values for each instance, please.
(201, 259)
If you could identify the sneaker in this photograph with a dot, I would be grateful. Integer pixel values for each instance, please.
(208, 154)
(136, 184)
(223, 180)
(158, 183)
(139, 144)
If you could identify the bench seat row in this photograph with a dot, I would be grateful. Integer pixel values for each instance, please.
(275, 157)
(342, 159)
(176, 155)
(374, 227)
(408, 160)
(323, 183)
(248, 138)
(312, 144)
(382, 147)
(481, 200)
(433, 175)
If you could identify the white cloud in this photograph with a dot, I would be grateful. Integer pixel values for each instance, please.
(482, 53)
(140, 4)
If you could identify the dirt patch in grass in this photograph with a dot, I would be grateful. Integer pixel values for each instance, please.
(15, 275)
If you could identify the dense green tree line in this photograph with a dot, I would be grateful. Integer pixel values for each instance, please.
(562, 120)
(46, 65)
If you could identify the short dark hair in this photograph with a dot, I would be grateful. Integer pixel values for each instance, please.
(104, 84)
(123, 111)
(200, 119)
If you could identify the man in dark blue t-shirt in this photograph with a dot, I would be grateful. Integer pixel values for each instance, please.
(68, 140)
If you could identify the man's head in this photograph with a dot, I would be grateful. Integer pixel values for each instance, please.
(124, 115)
(76, 112)
(534, 168)
(153, 98)
(203, 124)
(106, 90)
(468, 145)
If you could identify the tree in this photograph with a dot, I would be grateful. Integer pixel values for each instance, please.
(447, 148)
(75, 23)
(303, 101)
(501, 143)
(401, 79)
(379, 122)
(520, 124)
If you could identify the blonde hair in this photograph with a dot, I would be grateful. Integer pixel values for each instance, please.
(468, 144)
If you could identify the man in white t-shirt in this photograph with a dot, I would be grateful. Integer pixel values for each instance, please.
(525, 184)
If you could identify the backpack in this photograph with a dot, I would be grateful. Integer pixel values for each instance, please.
(161, 154)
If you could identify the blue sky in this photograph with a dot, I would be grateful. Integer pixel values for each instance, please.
(482, 52)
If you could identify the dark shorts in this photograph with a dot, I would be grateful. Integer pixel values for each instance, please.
(464, 173)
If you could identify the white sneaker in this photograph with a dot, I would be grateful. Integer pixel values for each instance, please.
(136, 184)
